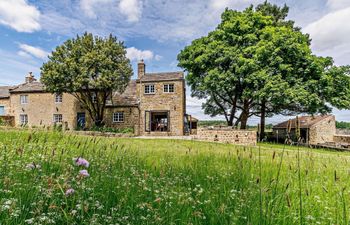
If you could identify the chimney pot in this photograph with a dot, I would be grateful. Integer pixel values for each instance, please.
(141, 69)
(30, 78)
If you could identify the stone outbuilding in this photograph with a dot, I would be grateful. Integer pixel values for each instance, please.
(312, 130)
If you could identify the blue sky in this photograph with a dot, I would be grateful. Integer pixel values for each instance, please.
(155, 30)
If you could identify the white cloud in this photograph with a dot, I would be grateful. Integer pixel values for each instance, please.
(330, 31)
(89, 7)
(158, 57)
(222, 4)
(19, 15)
(338, 4)
(136, 54)
(34, 51)
(55, 22)
(13, 68)
(132, 9)
(24, 54)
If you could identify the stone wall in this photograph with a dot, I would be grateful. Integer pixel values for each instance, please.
(323, 131)
(226, 135)
(131, 118)
(41, 107)
(5, 102)
(100, 134)
(342, 139)
(160, 101)
(343, 131)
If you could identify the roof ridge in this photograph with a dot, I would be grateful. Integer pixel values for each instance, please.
(165, 72)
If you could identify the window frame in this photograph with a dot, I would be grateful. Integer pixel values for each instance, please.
(60, 118)
(58, 98)
(148, 87)
(22, 121)
(166, 88)
(118, 117)
(94, 98)
(22, 98)
(4, 110)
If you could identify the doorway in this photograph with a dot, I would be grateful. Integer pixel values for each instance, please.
(81, 121)
(157, 121)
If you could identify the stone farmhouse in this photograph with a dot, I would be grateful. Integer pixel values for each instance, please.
(153, 104)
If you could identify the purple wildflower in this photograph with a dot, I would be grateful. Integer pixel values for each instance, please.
(84, 173)
(81, 162)
(70, 191)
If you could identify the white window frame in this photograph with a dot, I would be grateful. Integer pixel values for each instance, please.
(118, 117)
(57, 118)
(2, 106)
(23, 119)
(23, 99)
(149, 89)
(58, 98)
(94, 98)
(167, 88)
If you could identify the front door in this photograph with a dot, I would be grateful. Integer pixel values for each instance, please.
(81, 120)
(2, 110)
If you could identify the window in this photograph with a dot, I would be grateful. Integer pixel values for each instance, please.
(58, 98)
(118, 117)
(94, 98)
(57, 118)
(23, 119)
(24, 99)
(149, 89)
(2, 110)
(168, 88)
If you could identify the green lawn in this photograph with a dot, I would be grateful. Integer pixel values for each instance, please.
(137, 181)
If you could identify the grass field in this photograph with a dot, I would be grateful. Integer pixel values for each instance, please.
(134, 181)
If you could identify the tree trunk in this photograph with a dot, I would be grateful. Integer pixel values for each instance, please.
(244, 120)
(245, 115)
(262, 120)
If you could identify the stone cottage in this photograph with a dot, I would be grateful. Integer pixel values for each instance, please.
(313, 130)
(152, 104)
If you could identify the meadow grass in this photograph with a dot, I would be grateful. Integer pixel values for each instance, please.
(138, 181)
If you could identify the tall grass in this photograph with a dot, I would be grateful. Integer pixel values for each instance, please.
(135, 181)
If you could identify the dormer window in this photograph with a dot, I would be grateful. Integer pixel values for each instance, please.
(168, 88)
(58, 98)
(149, 89)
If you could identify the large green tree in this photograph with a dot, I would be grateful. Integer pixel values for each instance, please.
(91, 68)
(256, 63)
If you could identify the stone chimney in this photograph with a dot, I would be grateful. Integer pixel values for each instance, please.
(30, 78)
(141, 69)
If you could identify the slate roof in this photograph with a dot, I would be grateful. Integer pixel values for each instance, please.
(167, 76)
(305, 121)
(128, 98)
(34, 86)
(194, 119)
(5, 91)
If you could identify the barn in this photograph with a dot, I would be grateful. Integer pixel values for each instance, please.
(311, 130)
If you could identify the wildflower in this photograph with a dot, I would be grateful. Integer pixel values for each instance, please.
(81, 162)
(84, 173)
(32, 166)
(70, 191)
(29, 221)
